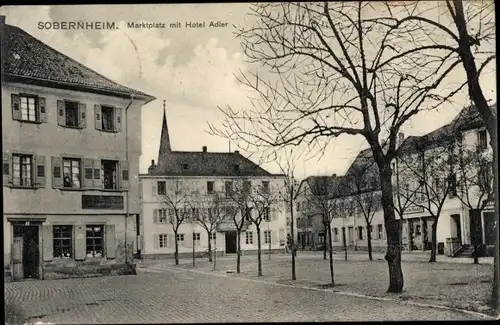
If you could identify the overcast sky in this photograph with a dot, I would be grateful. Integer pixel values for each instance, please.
(192, 69)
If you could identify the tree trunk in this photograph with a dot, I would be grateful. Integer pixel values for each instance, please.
(434, 241)
(495, 297)
(176, 254)
(344, 242)
(270, 240)
(393, 254)
(331, 253)
(475, 215)
(369, 240)
(238, 251)
(325, 227)
(292, 240)
(215, 252)
(209, 246)
(194, 250)
(259, 257)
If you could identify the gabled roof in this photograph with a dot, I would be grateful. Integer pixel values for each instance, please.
(362, 176)
(199, 163)
(27, 59)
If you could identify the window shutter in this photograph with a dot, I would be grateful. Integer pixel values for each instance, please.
(156, 239)
(110, 241)
(16, 109)
(118, 119)
(82, 110)
(40, 171)
(170, 241)
(7, 169)
(42, 109)
(97, 183)
(88, 173)
(154, 189)
(155, 215)
(188, 240)
(274, 237)
(61, 113)
(47, 238)
(124, 175)
(98, 116)
(80, 243)
(56, 172)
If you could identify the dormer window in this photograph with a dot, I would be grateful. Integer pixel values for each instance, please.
(236, 168)
(185, 166)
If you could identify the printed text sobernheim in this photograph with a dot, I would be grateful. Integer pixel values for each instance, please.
(77, 25)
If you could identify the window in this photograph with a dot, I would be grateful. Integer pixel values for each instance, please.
(210, 187)
(185, 166)
(267, 214)
(360, 233)
(62, 241)
(109, 171)
(180, 239)
(380, 232)
(370, 230)
(298, 206)
(71, 112)
(482, 140)
(321, 238)
(162, 188)
(213, 236)
(249, 238)
(265, 186)
(108, 118)
(29, 111)
(228, 186)
(162, 238)
(71, 172)
(247, 185)
(267, 237)
(335, 234)
(162, 216)
(236, 168)
(197, 238)
(22, 167)
(95, 240)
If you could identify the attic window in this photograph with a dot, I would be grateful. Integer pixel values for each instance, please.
(236, 167)
(16, 56)
(185, 166)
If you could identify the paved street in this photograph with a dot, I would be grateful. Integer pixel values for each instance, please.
(180, 295)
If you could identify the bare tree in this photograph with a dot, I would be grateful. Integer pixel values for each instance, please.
(474, 182)
(431, 166)
(335, 69)
(324, 189)
(209, 212)
(289, 193)
(238, 211)
(364, 189)
(176, 201)
(263, 200)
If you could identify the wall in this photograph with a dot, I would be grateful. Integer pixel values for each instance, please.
(151, 201)
(49, 139)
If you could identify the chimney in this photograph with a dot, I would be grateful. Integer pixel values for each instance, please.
(152, 162)
(204, 148)
(334, 175)
(152, 167)
(236, 151)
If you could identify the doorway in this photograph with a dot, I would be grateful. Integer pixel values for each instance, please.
(30, 250)
(231, 242)
(456, 218)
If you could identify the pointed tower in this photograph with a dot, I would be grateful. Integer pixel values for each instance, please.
(165, 138)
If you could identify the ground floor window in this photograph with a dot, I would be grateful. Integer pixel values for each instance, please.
(248, 238)
(95, 240)
(197, 238)
(62, 241)
(321, 238)
(213, 236)
(360, 233)
(180, 239)
(162, 238)
(267, 237)
(335, 234)
(379, 232)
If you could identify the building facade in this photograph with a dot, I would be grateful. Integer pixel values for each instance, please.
(203, 181)
(71, 144)
(463, 218)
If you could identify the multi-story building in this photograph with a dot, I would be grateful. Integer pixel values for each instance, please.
(71, 143)
(457, 225)
(191, 181)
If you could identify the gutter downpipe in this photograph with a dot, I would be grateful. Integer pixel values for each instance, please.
(127, 193)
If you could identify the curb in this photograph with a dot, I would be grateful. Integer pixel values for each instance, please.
(344, 293)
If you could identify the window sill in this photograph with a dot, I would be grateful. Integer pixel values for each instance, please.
(112, 190)
(20, 187)
(109, 131)
(73, 127)
(30, 122)
(72, 189)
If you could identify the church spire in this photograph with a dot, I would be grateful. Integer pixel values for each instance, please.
(165, 138)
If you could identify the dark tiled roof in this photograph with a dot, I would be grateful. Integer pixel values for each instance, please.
(25, 57)
(362, 175)
(201, 163)
(469, 117)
